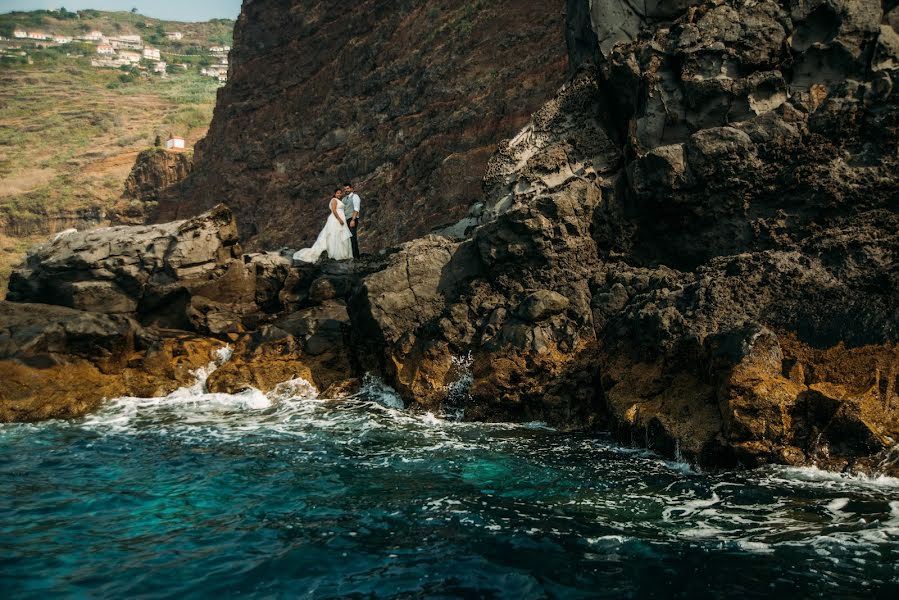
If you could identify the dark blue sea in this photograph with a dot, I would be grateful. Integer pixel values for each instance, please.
(288, 496)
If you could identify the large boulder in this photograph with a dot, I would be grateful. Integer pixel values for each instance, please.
(187, 275)
(58, 362)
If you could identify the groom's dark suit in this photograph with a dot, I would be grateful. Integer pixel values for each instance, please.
(352, 203)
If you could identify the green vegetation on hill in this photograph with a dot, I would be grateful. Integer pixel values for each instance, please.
(70, 132)
(217, 32)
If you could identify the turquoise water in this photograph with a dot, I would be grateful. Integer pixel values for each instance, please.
(207, 496)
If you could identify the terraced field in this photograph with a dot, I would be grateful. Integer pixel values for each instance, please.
(69, 133)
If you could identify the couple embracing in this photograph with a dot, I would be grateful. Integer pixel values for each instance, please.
(338, 238)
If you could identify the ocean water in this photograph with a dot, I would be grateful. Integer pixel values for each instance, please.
(287, 495)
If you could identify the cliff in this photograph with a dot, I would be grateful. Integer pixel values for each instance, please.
(693, 243)
(406, 99)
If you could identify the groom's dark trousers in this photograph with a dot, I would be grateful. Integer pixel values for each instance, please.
(355, 239)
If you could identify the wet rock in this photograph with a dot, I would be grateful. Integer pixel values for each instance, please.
(60, 363)
(310, 344)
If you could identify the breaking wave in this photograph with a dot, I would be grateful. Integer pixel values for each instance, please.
(288, 492)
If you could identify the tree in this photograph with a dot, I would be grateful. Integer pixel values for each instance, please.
(134, 11)
(158, 142)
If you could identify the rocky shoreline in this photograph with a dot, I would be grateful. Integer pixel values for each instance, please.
(693, 244)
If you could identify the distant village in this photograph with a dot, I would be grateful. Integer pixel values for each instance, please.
(128, 50)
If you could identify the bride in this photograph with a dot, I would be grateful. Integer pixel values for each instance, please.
(333, 239)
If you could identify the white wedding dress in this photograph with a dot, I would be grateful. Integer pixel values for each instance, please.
(333, 239)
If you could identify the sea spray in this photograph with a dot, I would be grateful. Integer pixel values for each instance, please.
(456, 393)
(374, 389)
(349, 497)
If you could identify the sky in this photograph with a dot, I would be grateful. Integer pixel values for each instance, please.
(172, 10)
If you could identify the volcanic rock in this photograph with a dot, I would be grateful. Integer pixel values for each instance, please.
(715, 195)
(186, 275)
(155, 172)
(406, 99)
(59, 362)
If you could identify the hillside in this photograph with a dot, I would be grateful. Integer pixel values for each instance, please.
(410, 106)
(196, 35)
(70, 131)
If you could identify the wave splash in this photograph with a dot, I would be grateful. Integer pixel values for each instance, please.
(337, 478)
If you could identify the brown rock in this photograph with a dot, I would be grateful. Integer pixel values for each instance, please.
(309, 344)
(61, 363)
(426, 90)
(156, 172)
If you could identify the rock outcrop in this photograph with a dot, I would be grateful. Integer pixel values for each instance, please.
(407, 99)
(156, 172)
(165, 275)
(694, 243)
(136, 310)
(58, 362)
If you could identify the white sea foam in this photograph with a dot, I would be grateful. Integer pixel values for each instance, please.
(819, 478)
(836, 506)
(374, 389)
(195, 405)
(685, 508)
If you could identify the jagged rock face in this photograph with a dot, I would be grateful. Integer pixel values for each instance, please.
(715, 196)
(406, 99)
(694, 243)
(58, 362)
(155, 173)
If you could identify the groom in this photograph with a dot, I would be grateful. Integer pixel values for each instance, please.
(352, 204)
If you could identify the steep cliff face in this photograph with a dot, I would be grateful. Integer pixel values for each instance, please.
(407, 99)
(695, 242)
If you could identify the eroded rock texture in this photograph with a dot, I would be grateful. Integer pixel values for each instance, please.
(58, 362)
(695, 242)
(155, 173)
(407, 99)
(135, 310)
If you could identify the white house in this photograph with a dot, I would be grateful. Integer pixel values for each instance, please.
(174, 143)
(220, 49)
(174, 35)
(151, 54)
(132, 57)
(20, 34)
(62, 39)
(38, 35)
(93, 36)
(160, 68)
(127, 42)
(216, 71)
(105, 49)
